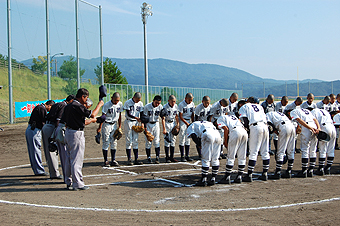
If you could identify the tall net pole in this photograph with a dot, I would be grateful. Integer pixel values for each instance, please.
(10, 85)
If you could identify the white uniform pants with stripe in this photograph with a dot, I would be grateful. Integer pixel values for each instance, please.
(183, 139)
(327, 148)
(308, 143)
(107, 135)
(286, 141)
(259, 141)
(211, 146)
(131, 137)
(169, 126)
(154, 130)
(237, 144)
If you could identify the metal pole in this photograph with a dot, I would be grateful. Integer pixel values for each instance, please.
(264, 92)
(48, 53)
(55, 61)
(77, 45)
(10, 85)
(332, 86)
(101, 44)
(308, 86)
(146, 68)
(297, 84)
(286, 90)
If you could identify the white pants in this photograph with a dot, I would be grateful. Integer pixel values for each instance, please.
(169, 126)
(51, 157)
(211, 146)
(286, 141)
(237, 144)
(154, 130)
(183, 139)
(327, 148)
(131, 137)
(308, 143)
(64, 159)
(107, 135)
(259, 141)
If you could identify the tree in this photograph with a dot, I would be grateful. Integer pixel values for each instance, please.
(166, 92)
(69, 69)
(111, 73)
(39, 65)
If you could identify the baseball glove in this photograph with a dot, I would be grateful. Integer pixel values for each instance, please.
(298, 129)
(138, 129)
(97, 138)
(149, 136)
(175, 131)
(118, 134)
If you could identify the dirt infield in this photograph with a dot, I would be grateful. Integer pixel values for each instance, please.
(156, 194)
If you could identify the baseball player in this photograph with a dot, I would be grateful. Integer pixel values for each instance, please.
(232, 107)
(33, 136)
(235, 139)
(253, 116)
(268, 106)
(332, 106)
(169, 121)
(324, 103)
(205, 135)
(309, 103)
(152, 111)
(133, 107)
(310, 127)
(186, 115)
(280, 106)
(61, 146)
(326, 148)
(75, 114)
(113, 112)
(202, 112)
(336, 121)
(337, 130)
(218, 109)
(286, 141)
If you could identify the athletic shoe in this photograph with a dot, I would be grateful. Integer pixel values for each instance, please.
(201, 183)
(248, 178)
(271, 152)
(320, 172)
(82, 188)
(287, 174)
(173, 160)
(297, 150)
(167, 160)
(42, 174)
(263, 177)
(276, 176)
(57, 177)
(69, 187)
(223, 156)
(157, 160)
(188, 159)
(106, 164)
(327, 171)
(183, 159)
(114, 163)
(149, 161)
(212, 181)
(310, 173)
(130, 162)
(225, 180)
(302, 174)
(136, 162)
(238, 179)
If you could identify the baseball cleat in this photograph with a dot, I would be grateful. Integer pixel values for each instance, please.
(82, 188)
(297, 150)
(136, 162)
(275, 176)
(188, 159)
(327, 171)
(212, 181)
(223, 156)
(130, 162)
(320, 172)
(157, 160)
(69, 187)
(248, 178)
(263, 177)
(287, 174)
(183, 159)
(114, 163)
(42, 174)
(167, 160)
(57, 177)
(310, 173)
(238, 179)
(173, 160)
(201, 183)
(302, 174)
(225, 180)
(149, 161)
(106, 164)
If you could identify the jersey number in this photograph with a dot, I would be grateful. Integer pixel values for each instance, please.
(255, 108)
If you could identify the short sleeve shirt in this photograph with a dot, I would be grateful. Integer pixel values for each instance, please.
(186, 109)
(218, 110)
(134, 108)
(152, 112)
(277, 118)
(198, 128)
(112, 111)
(230, 121)
(322, 116)
(306, 105)
(75, 114)
(38, 116)
(171, 112)
(202, 112)
(254, 113)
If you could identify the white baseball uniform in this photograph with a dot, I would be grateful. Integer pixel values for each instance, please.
(211, 141)
(187, 110)
(170, 122)
(202, 112)
(321, 105)
(332, 107)
(237, 142)
(306, 105)
(279, 107)
(153, 125)
(232, 108)
(292, 106)
(131, 137)
(218, 110)
(112, 113)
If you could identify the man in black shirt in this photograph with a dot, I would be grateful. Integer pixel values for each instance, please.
(52, 121)
(74, 116)
(33, 136)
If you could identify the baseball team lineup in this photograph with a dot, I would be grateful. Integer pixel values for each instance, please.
(230, 129)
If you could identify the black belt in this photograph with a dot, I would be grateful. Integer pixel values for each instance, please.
(187, 119)
(204, 131)
(153, 122)
(282, 123)
(79, 129)
(254, 124)
(170, 121)
(323, 124)
(111, 123)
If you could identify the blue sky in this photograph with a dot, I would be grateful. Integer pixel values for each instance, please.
(267, 38)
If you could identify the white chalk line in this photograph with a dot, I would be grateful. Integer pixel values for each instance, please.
(170, 210)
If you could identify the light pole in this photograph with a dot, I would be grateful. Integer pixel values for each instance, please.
(52, 61)
(146, 11)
